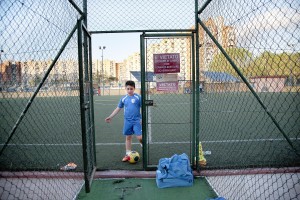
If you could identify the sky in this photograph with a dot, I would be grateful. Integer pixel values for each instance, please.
(261, 25)
(30, 30)
(134, 15)
(118, 45)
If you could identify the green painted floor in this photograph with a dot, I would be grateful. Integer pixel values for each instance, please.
(145, 189)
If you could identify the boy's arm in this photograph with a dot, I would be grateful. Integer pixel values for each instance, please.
(109, 118)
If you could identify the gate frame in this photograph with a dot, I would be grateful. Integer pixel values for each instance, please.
(195, 137)
(195, 83)
(86, 102)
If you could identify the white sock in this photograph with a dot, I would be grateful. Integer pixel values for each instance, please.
(128, 152)
(141, 144)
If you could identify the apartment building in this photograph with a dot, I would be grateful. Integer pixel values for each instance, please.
(224, 34)
(30, 72)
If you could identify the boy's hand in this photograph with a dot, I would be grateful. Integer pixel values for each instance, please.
(108, 120)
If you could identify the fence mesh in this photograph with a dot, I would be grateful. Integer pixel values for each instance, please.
(37, 143)
(140, 15)
(236, 131)
(239, 135)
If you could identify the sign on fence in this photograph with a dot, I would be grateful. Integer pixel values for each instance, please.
(167, 86)
(167, 82)
(166, 77)
(166, 63)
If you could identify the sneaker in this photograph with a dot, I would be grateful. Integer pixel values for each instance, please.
(126, 158)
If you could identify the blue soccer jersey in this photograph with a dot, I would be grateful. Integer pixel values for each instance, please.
(132, 106)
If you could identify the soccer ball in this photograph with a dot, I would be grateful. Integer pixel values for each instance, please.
(134, 157)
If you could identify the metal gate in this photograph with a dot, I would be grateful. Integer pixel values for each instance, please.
(167, 84)
(86, 103)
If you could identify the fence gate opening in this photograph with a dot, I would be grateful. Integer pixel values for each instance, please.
(167, 84)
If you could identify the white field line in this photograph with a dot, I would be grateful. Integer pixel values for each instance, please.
(185, 142)
(63, 144)
(159, 104)
(103, 102)
(106, 104)
(214, 189)
(203, 99)
(172, 104)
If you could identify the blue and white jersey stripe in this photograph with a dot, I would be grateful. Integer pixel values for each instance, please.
(132, 106)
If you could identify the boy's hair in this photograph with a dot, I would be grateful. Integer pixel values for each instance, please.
(130, 83)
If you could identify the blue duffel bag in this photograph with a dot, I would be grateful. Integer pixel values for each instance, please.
(174, 172)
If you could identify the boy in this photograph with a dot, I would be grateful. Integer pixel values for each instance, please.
(132, 103)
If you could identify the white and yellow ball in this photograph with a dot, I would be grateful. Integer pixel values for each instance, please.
(134, 157)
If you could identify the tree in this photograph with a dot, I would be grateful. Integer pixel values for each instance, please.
(241, 57)
(37, 80)
(271, 64)
(112, 79)
(97, 78)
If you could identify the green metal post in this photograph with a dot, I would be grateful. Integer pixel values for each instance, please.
(145, 30)
(196, 89)
(203, 7)
(82, 106)
(87, 96)
(92, 103)
(143, 93)
(91, 96)
(193, 102)
(76, 7)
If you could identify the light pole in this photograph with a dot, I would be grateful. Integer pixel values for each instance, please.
(98, 79)
(102, 48)
(291, 79)
(1, 51)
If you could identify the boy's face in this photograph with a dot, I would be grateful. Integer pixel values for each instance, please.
(130, 90)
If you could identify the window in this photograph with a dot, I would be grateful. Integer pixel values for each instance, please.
(288, 81)
(298, 82)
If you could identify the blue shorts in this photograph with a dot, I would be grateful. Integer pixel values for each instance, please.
(132, 127)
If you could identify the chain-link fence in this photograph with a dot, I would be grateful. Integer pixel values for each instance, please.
(117, 16)
(247, 119)
(249, 106)
(39, 101)
(246, 95)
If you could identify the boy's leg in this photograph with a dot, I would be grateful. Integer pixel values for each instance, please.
(139, 137)
(128, 148)
(128, 143)
(137, 128)
(127, 131)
